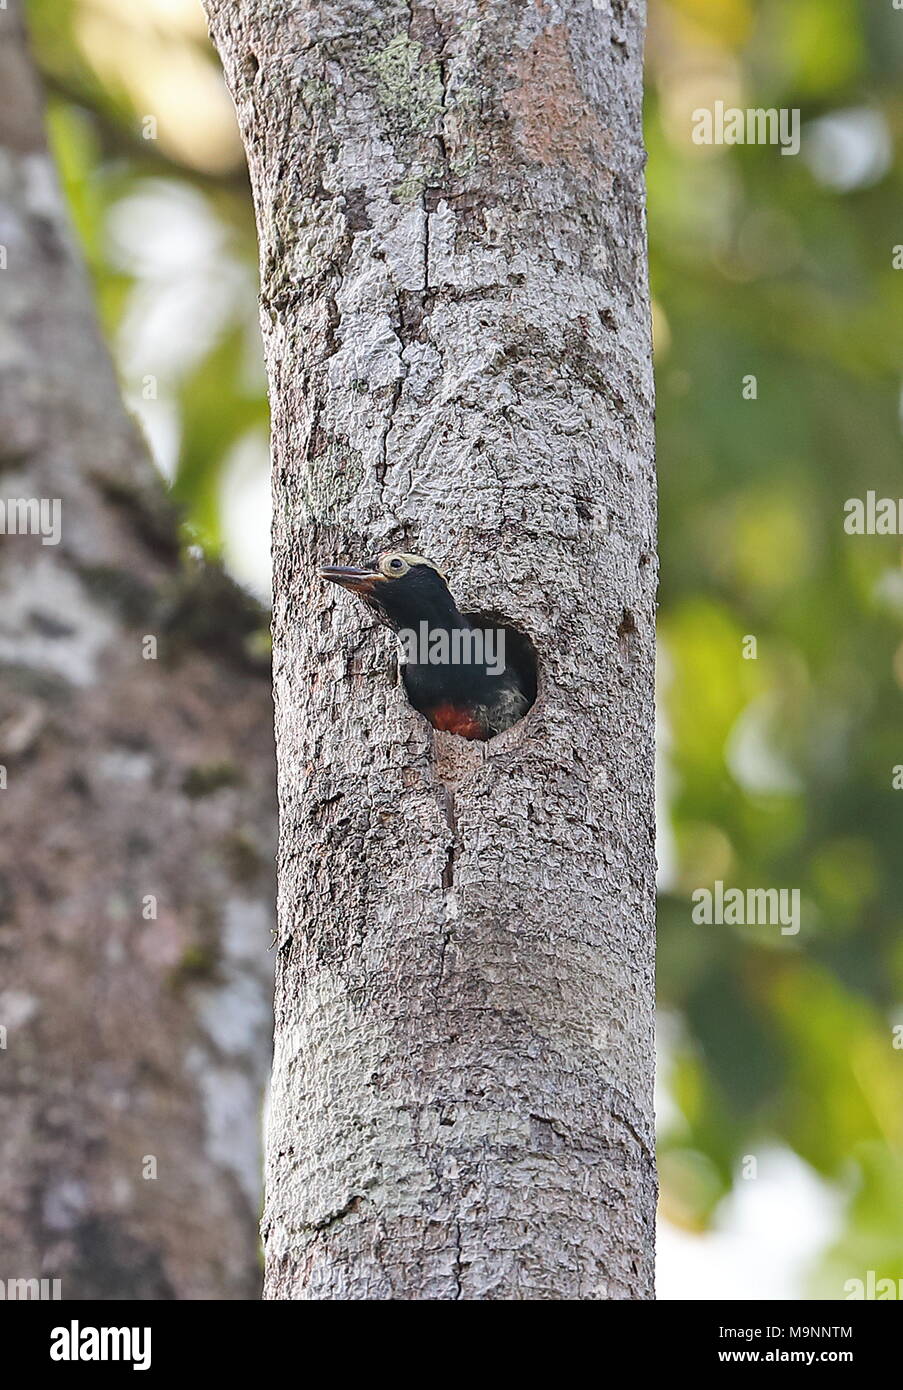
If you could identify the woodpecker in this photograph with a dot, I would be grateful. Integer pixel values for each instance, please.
(472, 681)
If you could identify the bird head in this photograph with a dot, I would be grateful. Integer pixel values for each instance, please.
(401, 589)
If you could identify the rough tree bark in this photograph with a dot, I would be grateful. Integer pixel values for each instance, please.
(133, 1051)
(450, 204)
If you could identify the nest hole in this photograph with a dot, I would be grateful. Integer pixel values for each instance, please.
(518, 651)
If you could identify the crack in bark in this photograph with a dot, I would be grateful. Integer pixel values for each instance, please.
(646, 1147)
(447, 880)
(553, 1125)
(443, 154)
(448, 872)
(334, 1217)
(459, 1292)
(382, 466)
(443, 83)
(443, 950)
(426, 245)
(383, 462)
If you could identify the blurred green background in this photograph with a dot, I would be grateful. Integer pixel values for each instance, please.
(781, 1106)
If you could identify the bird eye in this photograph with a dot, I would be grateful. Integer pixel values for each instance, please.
(394, 564)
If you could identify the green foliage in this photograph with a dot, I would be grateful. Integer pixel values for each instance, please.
(781, 767)
(108, 69)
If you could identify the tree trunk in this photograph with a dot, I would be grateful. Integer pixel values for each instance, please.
(136, 802)
(451, 212)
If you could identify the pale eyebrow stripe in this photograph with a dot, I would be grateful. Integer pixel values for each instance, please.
(417, 560)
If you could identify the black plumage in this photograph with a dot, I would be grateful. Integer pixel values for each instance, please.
(465, 674)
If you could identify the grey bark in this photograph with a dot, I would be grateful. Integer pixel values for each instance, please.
(133, 1050)
(450, 203)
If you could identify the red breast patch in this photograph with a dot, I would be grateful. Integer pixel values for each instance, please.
(456, 720)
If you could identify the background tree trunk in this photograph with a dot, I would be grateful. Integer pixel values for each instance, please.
(133, 1050)
(451, 212)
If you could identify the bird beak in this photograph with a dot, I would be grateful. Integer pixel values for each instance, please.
(359, 581)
